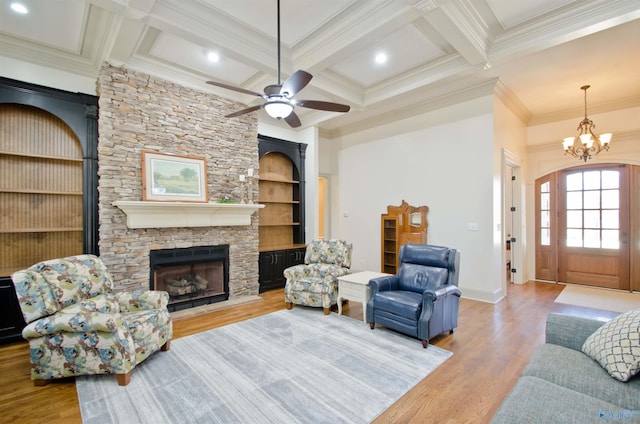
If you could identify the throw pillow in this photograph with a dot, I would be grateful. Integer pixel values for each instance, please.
(616, 345)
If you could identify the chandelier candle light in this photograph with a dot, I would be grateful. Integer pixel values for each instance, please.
(586, 144)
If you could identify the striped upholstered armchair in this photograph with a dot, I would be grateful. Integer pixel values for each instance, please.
(77, 325)
(315, 283)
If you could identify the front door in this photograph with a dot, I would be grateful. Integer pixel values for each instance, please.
(593, 226)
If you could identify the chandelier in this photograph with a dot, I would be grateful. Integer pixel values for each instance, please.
(586, 144)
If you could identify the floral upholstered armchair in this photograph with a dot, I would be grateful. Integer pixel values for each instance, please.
(77, 325)
(315, 283)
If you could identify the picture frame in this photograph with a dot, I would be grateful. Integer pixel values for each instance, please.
(173, 178)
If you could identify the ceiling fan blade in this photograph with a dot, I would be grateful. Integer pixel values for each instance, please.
(238, 89)
(316, 104)
(296, 82)
(243, 111)
(293, 120)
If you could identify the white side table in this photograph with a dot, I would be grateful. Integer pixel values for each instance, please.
(356, 287)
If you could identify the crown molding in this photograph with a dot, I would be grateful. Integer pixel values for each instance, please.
(576, 112)
(512, 102)
(572, 21)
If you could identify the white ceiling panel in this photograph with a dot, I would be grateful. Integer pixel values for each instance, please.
(514, 12)
(177, 50)
(61, 23)
(298, 18)
(405, 49)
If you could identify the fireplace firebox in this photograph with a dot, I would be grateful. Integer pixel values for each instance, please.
(192, 276)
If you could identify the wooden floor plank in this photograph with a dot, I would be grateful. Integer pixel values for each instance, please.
(491, 346)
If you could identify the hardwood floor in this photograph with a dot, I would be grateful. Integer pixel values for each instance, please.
(491, 346)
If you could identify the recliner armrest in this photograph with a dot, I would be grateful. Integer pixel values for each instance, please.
(448, 290)
(379, 284)
(142, 300)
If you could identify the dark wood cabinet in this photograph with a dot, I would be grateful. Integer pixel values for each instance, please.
(281, 222)
(11, 321)
(272, 266)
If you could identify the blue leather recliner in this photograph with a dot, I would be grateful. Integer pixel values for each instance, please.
(423, 299)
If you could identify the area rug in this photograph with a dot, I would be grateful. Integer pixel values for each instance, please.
(290, 366)
(596, 298)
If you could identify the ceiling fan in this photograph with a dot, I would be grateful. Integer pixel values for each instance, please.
(279, 102)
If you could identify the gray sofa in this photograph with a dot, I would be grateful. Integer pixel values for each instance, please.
(560, 384)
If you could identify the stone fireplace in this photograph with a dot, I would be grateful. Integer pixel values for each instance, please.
(139, 112)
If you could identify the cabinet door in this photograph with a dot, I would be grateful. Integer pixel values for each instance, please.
(295, 256)
(11, 321)
(272, 266)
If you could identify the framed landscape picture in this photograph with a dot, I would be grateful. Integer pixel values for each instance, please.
(173, 178)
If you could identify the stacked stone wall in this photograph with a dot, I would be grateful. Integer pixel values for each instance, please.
(139, 112)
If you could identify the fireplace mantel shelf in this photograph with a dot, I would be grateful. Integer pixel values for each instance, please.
(183, 214)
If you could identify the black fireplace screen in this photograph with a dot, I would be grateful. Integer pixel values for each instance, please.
(192, 276)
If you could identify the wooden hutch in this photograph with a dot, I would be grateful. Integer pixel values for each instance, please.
(401, 225)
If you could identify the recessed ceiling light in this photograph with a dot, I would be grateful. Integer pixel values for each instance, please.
(19, 8)
(213, 57)
(381, 58)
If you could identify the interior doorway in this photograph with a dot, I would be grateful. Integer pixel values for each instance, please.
(323, 203)
(512, 226)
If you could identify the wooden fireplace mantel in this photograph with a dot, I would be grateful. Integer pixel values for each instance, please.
(183, 214)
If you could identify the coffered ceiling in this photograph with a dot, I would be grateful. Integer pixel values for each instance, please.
(542, 51)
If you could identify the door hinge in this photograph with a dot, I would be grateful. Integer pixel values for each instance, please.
(513, 270)
(513, 178)
(513, 208)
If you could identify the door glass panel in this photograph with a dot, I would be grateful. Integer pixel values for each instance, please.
(592, 199)
(545, 201)
(610, 179)
(592, 219)
(611, 219)
(610, 199)
(574, 181)
(574, 238)
(574, 200)
(592, 238)
(545, 237)
(592, 180)
(545, 219)
(574, 219)
(610, 239)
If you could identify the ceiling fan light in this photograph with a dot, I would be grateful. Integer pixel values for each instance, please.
(278, 109)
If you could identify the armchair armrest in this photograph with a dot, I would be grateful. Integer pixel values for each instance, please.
(388, 282)
(73, 323)
(570, 331)
(142, 300)
(297, 271)
(448, 290)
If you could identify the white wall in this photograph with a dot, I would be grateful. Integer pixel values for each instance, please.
(443, 159)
